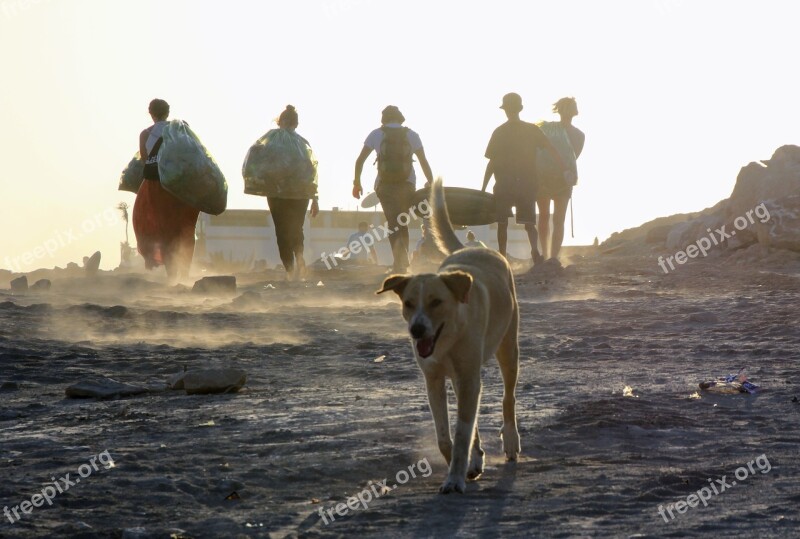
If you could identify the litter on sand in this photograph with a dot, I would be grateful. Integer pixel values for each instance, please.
(730, 384)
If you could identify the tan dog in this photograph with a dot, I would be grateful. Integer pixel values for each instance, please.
(458, 318)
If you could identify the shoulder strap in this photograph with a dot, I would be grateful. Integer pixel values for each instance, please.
(156, 147)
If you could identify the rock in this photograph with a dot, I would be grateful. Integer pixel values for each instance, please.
(9, 386)
(248, 299)
(656, 234)
(92, 264)
(103, 388)
(41, 285)
(20, 284)
(780, 226)
(207, 381)
(218, 285)
(175, 381)
(768, 192)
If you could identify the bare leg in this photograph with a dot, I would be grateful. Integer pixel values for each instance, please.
(502, 237)
(533, 238)
(559, 216)
(544, 225)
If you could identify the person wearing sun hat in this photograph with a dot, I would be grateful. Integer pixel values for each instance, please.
(512, 161)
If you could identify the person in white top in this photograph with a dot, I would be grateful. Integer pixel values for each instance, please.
(395, 184)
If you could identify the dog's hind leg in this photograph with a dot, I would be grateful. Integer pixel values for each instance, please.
(508, 358)
(476, 458)
(437, 400)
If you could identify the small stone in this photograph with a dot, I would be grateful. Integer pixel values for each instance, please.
(218, 285)
(42, 285)
(209, 381)
(103, 388)
(20, 284)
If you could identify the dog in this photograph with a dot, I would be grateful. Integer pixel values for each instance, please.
(458, 318)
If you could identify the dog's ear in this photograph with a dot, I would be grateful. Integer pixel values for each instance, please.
(396, 283)
(459, 284)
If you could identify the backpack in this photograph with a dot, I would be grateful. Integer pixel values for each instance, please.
(394, 155)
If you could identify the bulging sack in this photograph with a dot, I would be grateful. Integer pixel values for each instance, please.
(189, 172)
(546, 166)
(133, 175)
(280, 164)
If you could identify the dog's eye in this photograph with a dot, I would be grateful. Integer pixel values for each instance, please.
(408, 305)
(435, 303)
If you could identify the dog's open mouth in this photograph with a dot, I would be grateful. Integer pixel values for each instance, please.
(426, 345)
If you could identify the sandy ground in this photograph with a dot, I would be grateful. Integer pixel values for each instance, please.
(320, 420)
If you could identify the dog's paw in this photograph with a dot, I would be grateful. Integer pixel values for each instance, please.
(511, 443)
(476, 464)
(453, 485)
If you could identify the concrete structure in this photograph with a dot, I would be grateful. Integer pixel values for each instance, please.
(247, 237)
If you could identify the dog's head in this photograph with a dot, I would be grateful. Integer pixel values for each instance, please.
(430, 304)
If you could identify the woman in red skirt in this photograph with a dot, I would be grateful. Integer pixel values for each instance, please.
(164, 226)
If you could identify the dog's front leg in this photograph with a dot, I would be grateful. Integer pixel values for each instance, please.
(437, 400)
(468, 393)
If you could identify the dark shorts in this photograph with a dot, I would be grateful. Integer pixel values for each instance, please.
(515, 193)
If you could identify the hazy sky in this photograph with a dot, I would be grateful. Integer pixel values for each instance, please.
(675, 96)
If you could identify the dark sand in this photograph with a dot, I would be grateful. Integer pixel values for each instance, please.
(319, 419)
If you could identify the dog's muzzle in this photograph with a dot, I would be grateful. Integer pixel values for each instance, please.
(426, 345)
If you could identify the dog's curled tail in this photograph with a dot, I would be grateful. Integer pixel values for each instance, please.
(442, 228)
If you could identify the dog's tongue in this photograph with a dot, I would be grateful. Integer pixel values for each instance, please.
(425, 347)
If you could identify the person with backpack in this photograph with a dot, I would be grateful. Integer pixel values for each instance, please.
(512, 154)
(552, 186)
(395, 185)
(163, 224)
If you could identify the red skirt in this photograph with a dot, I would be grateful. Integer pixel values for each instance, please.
(164, 226)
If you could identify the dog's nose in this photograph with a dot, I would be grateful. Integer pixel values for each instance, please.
(417, 331)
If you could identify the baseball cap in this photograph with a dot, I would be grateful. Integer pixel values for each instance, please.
(512, 102)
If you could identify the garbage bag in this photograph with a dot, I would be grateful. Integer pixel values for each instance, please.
(281, 164)
(132, 177)
(545, 164)
(188, 171)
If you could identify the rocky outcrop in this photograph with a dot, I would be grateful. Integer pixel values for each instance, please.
(763, 209)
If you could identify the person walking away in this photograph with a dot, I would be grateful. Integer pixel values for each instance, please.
(395, 184)
(288, 210)
(164, 225)
(553, 187)
(512, 160)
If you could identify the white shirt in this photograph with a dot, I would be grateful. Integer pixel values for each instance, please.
(155, 134)
(375, 138)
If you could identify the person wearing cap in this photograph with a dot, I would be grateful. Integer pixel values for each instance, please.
(512, 160)
(395, 197)
(554, 188)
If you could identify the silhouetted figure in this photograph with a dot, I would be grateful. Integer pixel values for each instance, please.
(395, 185)
(163, 224)
(554, 187)
(366, 254)
(512, 160)
(289, 214)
